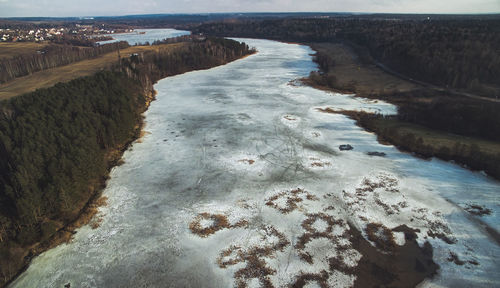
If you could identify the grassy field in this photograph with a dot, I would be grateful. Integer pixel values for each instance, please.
(355, 75)
(358, 76)
(50, 77)
(11, 49)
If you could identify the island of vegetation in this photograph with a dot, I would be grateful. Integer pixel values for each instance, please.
(58, 144)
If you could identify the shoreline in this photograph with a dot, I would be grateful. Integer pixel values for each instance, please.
(463, 161)
(376, 267)
(90, 208)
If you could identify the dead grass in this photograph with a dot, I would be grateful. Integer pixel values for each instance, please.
(219, 222)
(381, 236)
(364, 79)
(229, 257)
(50, 77)
(388, 183)
(441, 235)
(256, 267)
(88, 215)
(248, 161)
(12, 49)
(312, 218)
(293, 197)
(311, 233)
(320, 164)
(303, 279)
(141, 135)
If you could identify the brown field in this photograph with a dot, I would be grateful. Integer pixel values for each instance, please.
(366, 79)
(357, 74)
(50, 77)
(11, 49)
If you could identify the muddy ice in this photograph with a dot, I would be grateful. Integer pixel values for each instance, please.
(240, 183)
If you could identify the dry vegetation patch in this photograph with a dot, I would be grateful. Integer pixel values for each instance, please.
(206, 224)
(50, 77)
(304, 279)
(287, 201)
(254, 258)
(354, 74)
(381, 236)
(318, 163)
(324, 230)
(13, 49)
(477, 210)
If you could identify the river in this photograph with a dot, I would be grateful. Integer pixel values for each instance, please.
(141, 36)
(236, 159)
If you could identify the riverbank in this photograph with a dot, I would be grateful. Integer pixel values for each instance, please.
(50, 204)
(348, 73)
(269, 163)
(50, 77)
(88, 213)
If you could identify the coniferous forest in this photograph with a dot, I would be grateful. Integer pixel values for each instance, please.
(56, 144)
(451, 52)
(52, 56)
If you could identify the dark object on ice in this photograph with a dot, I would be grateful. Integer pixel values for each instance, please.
(67, 285)
(345, 147)
(477, 210)
(375, 153)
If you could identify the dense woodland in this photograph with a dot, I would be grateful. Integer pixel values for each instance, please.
(51, 56)
(446, 112)
(55, 143)
(462, 152)
(435, 109)
(450, 52)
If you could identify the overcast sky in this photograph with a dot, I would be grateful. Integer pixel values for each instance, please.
(14, 8)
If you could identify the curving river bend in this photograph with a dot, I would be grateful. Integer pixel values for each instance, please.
(244, 143)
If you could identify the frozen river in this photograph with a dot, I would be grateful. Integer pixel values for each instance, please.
(238, 166)
(141, 36)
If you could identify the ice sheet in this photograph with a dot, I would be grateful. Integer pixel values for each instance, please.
(233, 148)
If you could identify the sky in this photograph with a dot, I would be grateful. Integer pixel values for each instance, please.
(62, 8)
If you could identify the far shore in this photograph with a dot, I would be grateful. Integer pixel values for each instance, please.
(364, 79)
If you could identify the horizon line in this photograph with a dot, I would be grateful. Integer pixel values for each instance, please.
(85, 17)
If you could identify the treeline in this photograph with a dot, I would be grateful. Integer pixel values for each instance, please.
(456, 53)
(462, 152)
(50, 57)
(199, 53)
(445, 112)
(55, 143)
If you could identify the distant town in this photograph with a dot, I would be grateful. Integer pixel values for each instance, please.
(56, 33)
